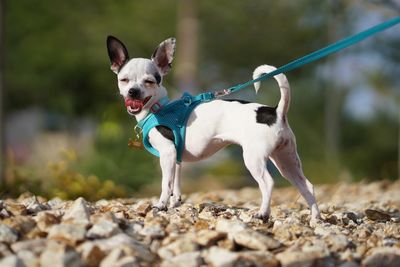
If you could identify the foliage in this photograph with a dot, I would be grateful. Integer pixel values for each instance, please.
(60, 179)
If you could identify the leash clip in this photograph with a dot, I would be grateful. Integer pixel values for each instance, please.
(221, 93)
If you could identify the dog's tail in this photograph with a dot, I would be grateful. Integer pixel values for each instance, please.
(283, 83)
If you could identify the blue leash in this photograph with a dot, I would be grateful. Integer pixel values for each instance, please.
(330, 49)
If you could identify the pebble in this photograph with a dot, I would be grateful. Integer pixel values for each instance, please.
(254, 240)
(142, 208)
(360, 228)
(383, 257)
(208, 237)
(12, 261)
(377, 215)
(103, 229)
(78, 213)
(188, 259)
(216, 256)
(91, 254)
(7, 234)
(59, 255)
(68, 233)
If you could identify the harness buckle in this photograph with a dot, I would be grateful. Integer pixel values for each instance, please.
(156, 107)
(187, 100)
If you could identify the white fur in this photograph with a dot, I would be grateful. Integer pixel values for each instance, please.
(216, 124)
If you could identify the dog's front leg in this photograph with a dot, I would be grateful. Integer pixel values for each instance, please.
(167, 151)
(176, 197)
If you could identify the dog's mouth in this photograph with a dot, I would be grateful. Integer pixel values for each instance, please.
(134, 106)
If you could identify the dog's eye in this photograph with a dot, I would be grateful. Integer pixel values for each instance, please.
(124, 80)
(149, 82)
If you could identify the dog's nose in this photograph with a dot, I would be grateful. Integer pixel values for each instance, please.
(134, 93)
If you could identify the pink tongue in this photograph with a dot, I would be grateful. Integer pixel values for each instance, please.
(135, 104)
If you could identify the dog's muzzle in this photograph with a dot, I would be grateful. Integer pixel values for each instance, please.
(134, 106)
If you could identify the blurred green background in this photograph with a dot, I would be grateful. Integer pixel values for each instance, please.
(65, 129)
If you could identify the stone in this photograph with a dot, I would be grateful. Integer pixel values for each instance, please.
(338, 242)
(4, 213)
(12, 261)
(45, 220)
(107, 216)
(349, 264)
(257, 259)
(91, 254)
(208, 237)
(58, 255)
(285, 231)
(123, 240)
(78, 213)
(304, 258)
(179, 246)
(383, 257)
(127, 261)
(377, 215)
(220, 257)
(188, 259)
(33, 206)
(15, 208)
(29, 258)
(229, 226)
(142, 208)
(254, 240)
(4, 250)
(133, 230)
(153, 231)
(118, 258)
(210, 211)
(36, 246)
(56, 203)
(103, 229)
(21, 224)
(68, 233)
(115, 255)
(7, 235)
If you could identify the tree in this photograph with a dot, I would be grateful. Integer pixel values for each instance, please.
(2, 145)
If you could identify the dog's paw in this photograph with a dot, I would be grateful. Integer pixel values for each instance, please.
(160, 207)
(261, 216)
(175, 202)
(315, 221)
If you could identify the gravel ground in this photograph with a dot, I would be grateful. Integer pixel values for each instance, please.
(361, 227)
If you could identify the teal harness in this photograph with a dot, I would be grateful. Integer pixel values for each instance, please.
(174, 115)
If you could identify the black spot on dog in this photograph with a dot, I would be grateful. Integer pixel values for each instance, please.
(157, 76)
(266, 115)
(166, 132)
(237, 100)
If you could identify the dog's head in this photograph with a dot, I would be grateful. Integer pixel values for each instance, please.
(140, 79)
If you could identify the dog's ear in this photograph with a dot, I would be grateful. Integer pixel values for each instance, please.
(117, 52)
(164, 54)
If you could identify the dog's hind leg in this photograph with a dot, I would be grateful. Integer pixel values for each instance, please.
(288, 162)
(256, 164)
(176, 195)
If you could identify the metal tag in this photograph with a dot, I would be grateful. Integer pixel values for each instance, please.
(136, 142)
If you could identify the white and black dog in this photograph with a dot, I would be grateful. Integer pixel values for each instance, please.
(263, 132)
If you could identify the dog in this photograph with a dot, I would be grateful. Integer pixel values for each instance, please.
(263, 132)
